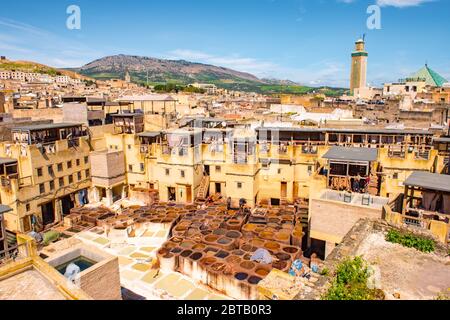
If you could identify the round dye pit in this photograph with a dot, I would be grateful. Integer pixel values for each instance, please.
(254, 280)
(241, 276)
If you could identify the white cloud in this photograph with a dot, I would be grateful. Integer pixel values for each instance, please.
(401, 3)
(395, 3)
(235, 62)
(20, 41)
(329, 73)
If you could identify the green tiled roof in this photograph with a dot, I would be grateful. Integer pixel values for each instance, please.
(431, 77)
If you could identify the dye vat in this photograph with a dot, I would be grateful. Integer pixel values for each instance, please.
(82, 262)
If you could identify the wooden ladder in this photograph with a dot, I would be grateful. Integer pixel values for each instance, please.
(203, 189)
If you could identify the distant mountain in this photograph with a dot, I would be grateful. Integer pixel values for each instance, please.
(281, 82)
(160, 71)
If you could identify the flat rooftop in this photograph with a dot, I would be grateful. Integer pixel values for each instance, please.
(4, 209)
(357, 199)
(430, 181)
(149, 97)
(29, 285)
(7, 161)
(355, 131)
(352, 154)
(150, 134)
(38, 127)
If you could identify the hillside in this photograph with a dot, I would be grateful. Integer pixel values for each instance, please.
(34, 67)
(159, 71)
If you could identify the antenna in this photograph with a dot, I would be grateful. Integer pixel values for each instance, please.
(364, 37)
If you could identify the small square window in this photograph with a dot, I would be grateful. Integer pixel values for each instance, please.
(79, 176)
(27, 207)
(279, 171)
(142, 167)
(183, 174)
(42, 188)
(50, 170)
(167, 172)
(70, 179)
(60, 167)
(129, 147)
(39, 172)
(78, 162)
(395, 176)
(86, 160)
(88, 173)
(52, 185)
(69, 164)
(239, 185)
(61, 182)
(130, 168)
(218, 168)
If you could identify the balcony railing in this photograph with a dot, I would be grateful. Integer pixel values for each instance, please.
(422, 155)
(309, 149)
(397, 153)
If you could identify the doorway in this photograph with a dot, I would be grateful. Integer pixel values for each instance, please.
(275, 202)
(48, 213)
(284, 190)
(172, 195)
(189, 194)
(218, 187)
(67, 204)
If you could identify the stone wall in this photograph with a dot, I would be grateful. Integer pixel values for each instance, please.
(103, 282)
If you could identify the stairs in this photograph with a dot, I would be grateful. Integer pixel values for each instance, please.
(202, 193)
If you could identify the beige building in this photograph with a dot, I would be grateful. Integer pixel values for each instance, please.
(45, 172)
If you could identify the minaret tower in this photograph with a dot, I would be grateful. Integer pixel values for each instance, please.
(127, 76)
(358, 76)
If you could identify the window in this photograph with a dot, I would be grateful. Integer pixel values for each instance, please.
(50, 170)
(86, 160)
(183, 174)
(218, 168)
(42, 188)
(167, 172)
(88, 173)
(279, 171)
(79, 176)
(69, 164)
(130, 168)
(28, 207)
(78, 162)
(39, 172)
(395, 176)
(239, 185)
(70, 179)
(60, 167)
(142, 167)
(52, 185)
(129, 147)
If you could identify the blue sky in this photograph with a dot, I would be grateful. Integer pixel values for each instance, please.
(308, 41)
